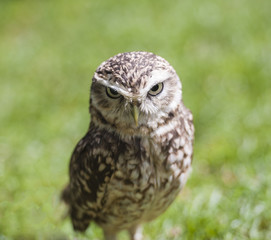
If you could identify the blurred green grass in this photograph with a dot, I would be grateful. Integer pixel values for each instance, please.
(222, 52)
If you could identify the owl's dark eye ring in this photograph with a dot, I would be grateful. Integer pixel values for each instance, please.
(112, 93)
(156, 89)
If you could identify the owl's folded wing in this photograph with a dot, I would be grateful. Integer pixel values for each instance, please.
(90, 170)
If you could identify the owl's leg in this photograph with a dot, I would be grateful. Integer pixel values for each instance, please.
(136, 233)
(109, 235)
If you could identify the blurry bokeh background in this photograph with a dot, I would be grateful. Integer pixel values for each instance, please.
(222, 52)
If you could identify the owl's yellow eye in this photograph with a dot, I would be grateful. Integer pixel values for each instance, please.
(112, 93)
(156, 89)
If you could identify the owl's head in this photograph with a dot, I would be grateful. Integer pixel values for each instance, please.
(134, 92)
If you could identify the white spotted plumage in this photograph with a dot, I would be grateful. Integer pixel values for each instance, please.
(137, 153)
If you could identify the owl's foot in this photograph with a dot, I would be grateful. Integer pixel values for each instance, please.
(136, 233)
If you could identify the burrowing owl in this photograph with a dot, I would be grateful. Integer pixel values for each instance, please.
(136, 155)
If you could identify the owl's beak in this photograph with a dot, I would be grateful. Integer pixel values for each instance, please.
(135, 114)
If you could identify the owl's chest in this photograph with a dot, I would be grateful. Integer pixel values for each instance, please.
(143, 184)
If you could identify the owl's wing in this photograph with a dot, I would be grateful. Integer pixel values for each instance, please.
(91, 167)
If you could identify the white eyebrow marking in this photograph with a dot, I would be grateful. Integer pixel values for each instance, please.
(157, 76)
(116, 86)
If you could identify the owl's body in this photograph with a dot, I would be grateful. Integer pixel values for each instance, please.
(137, 153)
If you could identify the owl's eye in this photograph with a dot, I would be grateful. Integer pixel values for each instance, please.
(112, 93)
(156, 89)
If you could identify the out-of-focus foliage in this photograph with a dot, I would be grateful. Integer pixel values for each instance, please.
(222, 52)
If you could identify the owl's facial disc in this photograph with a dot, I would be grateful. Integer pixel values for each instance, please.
(137, 107)
(134, 100)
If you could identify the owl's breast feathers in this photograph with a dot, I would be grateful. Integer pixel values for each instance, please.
(117, 182)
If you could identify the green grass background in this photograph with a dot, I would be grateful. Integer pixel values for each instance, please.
(222, 52)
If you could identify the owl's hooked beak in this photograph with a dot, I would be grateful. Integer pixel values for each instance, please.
(135, 114)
